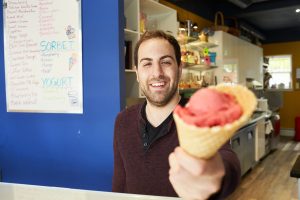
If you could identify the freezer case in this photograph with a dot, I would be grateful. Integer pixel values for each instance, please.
(242, 144)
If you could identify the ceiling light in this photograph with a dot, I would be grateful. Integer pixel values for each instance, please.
(297, 10)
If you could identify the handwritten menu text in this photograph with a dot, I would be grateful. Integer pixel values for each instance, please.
(43, 56)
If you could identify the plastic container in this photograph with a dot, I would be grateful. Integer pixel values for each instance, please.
(212, 56)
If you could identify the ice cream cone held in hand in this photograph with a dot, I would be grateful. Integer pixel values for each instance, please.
(211, 118)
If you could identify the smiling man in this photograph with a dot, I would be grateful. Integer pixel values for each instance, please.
(146, 141)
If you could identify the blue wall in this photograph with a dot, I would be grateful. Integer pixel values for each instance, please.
(71, 150)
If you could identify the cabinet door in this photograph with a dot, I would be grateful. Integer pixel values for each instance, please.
(260, 140)
(237, 59)
(237, 148)
(244, 164)
(230, 57)
(248, 143)
(250, 61)
(227, 56)
(243, 145)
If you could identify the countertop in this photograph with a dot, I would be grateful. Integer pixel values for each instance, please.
(10, 191)
(256, 116)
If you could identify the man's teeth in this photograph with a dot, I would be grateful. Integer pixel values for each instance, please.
(157, 84)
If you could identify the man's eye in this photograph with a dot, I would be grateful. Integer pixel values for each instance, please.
(166, 62)
(147, 64)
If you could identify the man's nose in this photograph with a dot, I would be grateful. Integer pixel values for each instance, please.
(157, 70)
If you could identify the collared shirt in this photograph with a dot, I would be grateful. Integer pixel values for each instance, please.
(149, 133)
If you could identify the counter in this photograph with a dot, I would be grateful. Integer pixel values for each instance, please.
(256, 116)
(248, 143)
(243, 143)
(10, 191)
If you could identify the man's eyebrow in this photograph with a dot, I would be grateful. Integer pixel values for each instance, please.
(146, 59)
(167, 56)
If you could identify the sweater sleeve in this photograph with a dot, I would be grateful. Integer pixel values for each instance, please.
(232, 173)
(119, 177)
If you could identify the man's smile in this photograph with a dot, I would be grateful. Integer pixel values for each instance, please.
(158, 84)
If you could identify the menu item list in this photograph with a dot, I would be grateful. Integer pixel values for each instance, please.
(43, 67)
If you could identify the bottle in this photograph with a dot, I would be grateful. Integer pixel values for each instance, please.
(142, 22)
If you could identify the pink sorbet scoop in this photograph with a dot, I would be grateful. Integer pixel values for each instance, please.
(208, 107)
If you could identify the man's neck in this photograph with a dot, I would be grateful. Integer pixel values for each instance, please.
(157, 114)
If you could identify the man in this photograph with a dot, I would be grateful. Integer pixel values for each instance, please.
(147, 157)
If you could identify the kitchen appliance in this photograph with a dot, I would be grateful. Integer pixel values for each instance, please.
(251, 83)
(257, 85)
(275, 99)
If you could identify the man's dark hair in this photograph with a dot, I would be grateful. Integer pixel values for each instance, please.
(158, 34)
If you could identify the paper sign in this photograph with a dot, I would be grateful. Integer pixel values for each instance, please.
(43, 56)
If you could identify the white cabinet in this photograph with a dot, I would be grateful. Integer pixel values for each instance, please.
(237, 59)
(260, 140)
(141, 15)
(250, 62)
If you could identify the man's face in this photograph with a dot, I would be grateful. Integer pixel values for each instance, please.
(158, 72)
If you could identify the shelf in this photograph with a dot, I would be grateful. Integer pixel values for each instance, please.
(157, 16)
(150, 7)
(128, 31)
(199, 45)
(131, 35)
(188, 90)
(131, 9)
(185, 40)
(198, 67)
(130, 70)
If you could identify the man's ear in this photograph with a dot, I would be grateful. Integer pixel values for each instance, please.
(136, 72)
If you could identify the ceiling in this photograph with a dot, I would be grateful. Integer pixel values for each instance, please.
(271, 20)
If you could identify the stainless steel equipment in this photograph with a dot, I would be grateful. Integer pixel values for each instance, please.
(242, 144)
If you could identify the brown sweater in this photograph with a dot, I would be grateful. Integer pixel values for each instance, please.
(140, 172)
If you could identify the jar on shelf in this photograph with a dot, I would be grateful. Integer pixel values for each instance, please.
(143, 22)
(212, 56)
(183, 85)
(184, 56)
(191, 58)
(203, 37)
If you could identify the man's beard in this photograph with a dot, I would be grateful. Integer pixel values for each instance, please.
(160, 98)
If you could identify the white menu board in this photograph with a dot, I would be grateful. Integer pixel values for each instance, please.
(43, 56)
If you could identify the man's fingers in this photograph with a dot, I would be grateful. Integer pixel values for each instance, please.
(193, 165)
(174, 165)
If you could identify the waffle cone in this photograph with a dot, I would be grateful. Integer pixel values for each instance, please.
(204, 142)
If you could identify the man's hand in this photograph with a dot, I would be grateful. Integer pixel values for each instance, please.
(193, 178)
